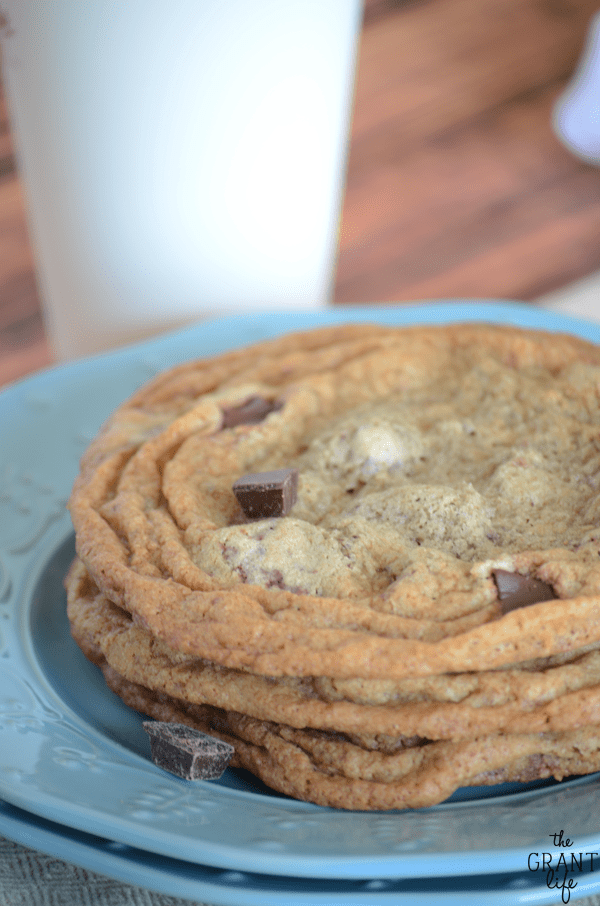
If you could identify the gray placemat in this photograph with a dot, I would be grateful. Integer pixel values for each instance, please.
(30, 878)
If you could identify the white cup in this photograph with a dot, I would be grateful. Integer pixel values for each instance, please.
(179, 160)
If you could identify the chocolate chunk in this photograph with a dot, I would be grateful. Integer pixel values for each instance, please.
(186, 752)
(515, 590)
(265, 494)
(253, 411)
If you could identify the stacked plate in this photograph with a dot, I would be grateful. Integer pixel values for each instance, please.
(76, 778)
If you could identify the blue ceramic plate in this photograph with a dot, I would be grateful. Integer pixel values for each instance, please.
(72, 753)
(224, 887)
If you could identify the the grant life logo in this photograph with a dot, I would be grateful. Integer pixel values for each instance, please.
(561, 870)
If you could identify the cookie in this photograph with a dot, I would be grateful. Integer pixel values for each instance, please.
(157, 523)
(426, 571)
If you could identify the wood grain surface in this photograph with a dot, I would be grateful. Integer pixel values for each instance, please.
(456, 185)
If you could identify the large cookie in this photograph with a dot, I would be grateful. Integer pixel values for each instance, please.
(421, 613)
(429, 458)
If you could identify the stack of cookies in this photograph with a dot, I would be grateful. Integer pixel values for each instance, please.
(368, 558)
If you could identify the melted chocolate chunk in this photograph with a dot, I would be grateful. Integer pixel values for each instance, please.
(515, 590)
(252, 412)
(262, 495)
(186, 752)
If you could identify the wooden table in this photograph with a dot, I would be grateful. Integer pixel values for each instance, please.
(456, 185)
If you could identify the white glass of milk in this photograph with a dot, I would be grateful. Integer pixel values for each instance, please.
(180, 159)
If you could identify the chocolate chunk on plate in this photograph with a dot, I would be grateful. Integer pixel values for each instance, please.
(262, 495)
(251, 412)
(186, 752)
(515, 590)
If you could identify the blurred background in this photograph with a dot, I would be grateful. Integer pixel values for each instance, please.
(456, 185)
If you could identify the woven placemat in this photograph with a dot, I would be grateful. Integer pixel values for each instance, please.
(30, 878)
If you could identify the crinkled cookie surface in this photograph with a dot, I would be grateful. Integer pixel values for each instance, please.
(428, 458)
